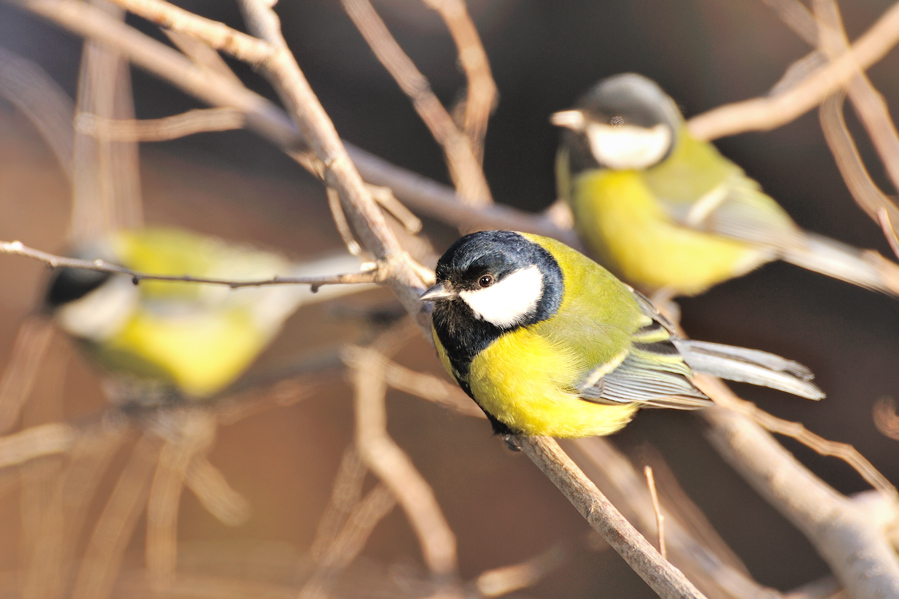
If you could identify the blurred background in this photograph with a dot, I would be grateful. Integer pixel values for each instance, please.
(283, 460)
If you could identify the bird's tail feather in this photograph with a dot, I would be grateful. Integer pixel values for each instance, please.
(749, 366)
(841, 261)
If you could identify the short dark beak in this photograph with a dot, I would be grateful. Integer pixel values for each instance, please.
(436, 293)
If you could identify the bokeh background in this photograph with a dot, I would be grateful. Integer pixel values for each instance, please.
(543, 55)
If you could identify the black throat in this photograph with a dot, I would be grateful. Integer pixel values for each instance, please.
(461, 332)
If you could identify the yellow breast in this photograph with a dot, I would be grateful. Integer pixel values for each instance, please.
(627, 229)
(200, 357)
(528, 384)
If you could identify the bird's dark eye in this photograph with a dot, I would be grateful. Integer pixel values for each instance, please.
(485, 281)
(616, 121)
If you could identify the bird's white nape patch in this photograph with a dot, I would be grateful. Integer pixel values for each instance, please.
(509, 301)
(101, 313)
(622, 147)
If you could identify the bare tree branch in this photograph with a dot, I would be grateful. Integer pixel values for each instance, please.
(641, 556)
(692, 543)
(868, 102)
(45, 104)
(106, 192)
(764, 114)
(392, 465)
(373, 275)
(32, 342)
(105, 551)
(854, 546)
(464, 166)
(269, 121)
(480, 97)
(163, 129)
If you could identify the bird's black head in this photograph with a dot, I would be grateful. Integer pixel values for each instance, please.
(71, 284)
(502, 277)
(490, 283)
(624, 122)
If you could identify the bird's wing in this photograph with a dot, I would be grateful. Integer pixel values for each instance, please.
(739, 209)
(649, 371)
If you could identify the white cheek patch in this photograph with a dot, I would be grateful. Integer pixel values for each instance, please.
(101, 313)
(627, 146)
(508, 302)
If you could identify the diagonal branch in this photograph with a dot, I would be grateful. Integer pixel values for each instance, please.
(268, 120)
(764, 114)
(337, 169)
(464, 166)
(658, 573)
(480, 98)
(854, 545)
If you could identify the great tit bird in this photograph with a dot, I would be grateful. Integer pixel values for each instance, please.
(548, 342)
(170, 340)
(667, 212)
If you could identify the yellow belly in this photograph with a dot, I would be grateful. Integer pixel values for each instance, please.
(630, 234)
(200, 357)
(539, 399)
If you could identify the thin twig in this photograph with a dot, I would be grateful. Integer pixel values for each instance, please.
(395, 469)
(202, 54)
(480, 97)
(341, 224)
(431, 388)
(106, 549)
(384, 196)
(797, 431)
(43, 101)
(36, 442)
(40, 513)
(889, 230)
(338, 170)
(373, 275)
(63, 519)
(865, 192)
(163, 129)
(797, 17)
(217, 35)
(349, 541)
(106, 190)
(867, 101)
(692, 542)
(269, 121)
(189, 434)
(508, 579)
(660, 519)
(464, 166)
(345, 494)
(213, 491)
(32, 342)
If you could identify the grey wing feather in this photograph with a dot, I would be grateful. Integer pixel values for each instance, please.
(653, 373)
(643, 380)
(739, 209)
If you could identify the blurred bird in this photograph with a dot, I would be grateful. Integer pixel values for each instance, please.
(164, 340)
(547, 342)
(667, 212)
